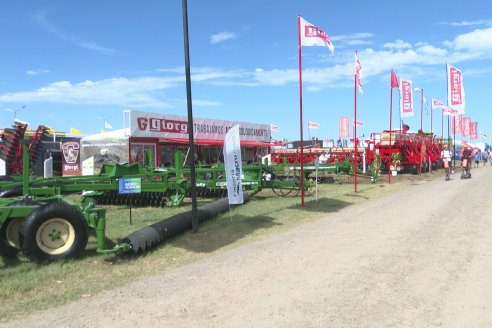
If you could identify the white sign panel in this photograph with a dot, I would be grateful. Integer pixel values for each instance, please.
(233, 166)
(156, 125)
(3, 167)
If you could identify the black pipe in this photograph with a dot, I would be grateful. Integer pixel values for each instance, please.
(158, 233)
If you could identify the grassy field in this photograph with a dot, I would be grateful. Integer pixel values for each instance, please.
(26, 287)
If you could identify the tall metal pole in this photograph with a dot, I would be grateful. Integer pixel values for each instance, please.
(355, 132)
(300, 106)
(194, 210)
(391, 119)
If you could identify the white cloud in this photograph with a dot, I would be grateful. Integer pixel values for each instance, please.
(481, 22)
(398, 44)
(37, 71)
(143, 92)
(222, 36)
(42, 19)
(355, 39)
(477, 40)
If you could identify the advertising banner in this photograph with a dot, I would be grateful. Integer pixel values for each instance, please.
(71, 158)
(474, 130)
(156, 125)
(343, 126)
(406, 99)
(456, 92)
(456, 127)
(465, 131)
(233, 166)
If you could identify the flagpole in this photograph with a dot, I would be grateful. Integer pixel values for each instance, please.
(442, 124)
(391, 118)
(447, 103)
(355, 130)
(300, 105)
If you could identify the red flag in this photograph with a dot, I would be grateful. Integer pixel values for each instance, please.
(394, 80)
(358, 123)
(314, 36)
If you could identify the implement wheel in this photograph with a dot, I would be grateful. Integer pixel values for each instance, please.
(9, 233)
(53, 231)
(9, 241)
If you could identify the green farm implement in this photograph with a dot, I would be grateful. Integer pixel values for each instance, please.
(37, 218)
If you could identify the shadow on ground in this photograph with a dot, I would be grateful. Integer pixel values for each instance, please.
(323, 205)
(230, 229)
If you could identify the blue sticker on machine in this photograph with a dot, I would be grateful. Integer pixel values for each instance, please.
(129, 185)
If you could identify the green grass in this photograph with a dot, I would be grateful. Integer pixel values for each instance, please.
(26, 287)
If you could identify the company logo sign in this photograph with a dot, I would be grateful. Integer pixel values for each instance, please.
(162, 125)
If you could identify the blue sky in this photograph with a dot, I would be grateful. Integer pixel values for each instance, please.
(78, 63)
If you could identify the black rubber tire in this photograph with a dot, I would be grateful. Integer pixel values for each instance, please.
(53, 231)
(11, 192)
(8, 247)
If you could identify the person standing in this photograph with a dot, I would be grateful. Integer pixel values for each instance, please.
(446, 159)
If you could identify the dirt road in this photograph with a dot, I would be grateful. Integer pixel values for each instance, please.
(421, 257)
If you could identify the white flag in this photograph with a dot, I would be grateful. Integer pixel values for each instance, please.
(313, 125)
(406, 98)
(311, 35)
(456, 92)
(233, 166)
(107, 125)
(358, 73)
(437, 103)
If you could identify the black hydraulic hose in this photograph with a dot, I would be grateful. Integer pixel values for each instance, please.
(158, 233)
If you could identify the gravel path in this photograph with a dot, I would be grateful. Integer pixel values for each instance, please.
(421, 257)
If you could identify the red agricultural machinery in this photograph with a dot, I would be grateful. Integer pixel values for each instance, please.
(408, 151)
(11, 151)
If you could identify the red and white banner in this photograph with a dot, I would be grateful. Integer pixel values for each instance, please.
(157, 125)
(474, 130)
(343, 126)
(465, 131)
(406, 99)
(274, 127)
(358, 123)
(312, 35)
(437, 104)
(233, 166)
(456, 127)
(313, 125)
(456, 92)
(358, 73)
(448, 111)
